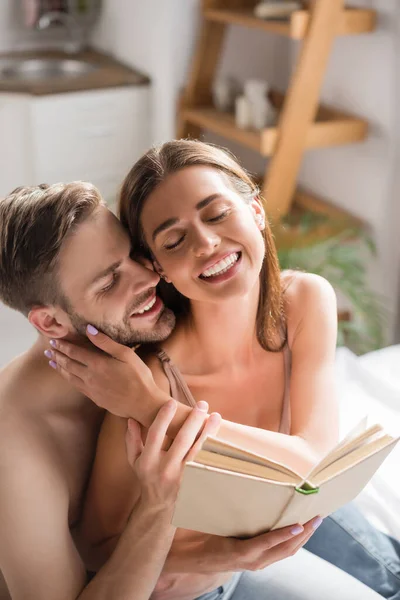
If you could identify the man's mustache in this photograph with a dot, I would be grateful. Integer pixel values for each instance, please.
(140, 300)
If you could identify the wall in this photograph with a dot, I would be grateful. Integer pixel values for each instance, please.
(362, 77)
(13, 34)
(163, 46)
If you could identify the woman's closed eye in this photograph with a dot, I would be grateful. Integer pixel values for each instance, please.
(172, 245)
(219, 217)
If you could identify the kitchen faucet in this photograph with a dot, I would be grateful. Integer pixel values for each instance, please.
(75, 43)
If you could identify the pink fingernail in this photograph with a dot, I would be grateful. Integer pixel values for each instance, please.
(316, 523)
(53, 343)
(296, 530)
(202, 405)
(52, 364)
(48, 353)
(92, 330)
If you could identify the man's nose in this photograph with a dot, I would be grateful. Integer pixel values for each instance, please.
(143, 278)
(205, 242)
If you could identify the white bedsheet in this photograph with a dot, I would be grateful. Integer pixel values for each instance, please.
(370, 385)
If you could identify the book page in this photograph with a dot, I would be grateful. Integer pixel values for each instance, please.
(352, 459)
(213, 444)
(339, 490)
(228, 463)
(354, 439)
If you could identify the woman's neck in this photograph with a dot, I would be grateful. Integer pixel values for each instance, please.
(223, 334)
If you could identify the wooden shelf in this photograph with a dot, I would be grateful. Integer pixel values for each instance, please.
(353, 21)
(337, 221)
(331, 128)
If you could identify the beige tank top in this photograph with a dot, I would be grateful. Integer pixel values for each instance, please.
(179, 389)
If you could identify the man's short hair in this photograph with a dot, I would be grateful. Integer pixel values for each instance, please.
(34, 223)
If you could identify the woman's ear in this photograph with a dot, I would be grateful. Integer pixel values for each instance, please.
(158, 268)
(258, 211)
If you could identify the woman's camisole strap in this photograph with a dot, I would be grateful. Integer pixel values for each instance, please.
(285, 415)
(178, 387)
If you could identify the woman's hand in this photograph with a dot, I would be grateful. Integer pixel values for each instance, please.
(215, 554)
(160, 470)
(114, 377)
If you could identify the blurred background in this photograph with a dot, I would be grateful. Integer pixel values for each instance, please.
(86, 86)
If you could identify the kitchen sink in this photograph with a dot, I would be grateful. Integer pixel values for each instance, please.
(35, 69)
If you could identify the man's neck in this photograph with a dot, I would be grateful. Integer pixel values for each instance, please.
(56, 393)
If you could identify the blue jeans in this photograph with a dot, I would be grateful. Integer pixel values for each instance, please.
(301, 577)
(346, 539)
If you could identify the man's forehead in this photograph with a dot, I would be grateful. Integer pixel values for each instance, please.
(97, 243)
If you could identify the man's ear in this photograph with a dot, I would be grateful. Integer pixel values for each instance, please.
(258, 211)
(158, 268)
(50, 321)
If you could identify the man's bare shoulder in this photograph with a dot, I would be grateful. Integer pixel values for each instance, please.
(15, 382)
(23, 432)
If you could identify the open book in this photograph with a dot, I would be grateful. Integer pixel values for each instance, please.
(229, 491)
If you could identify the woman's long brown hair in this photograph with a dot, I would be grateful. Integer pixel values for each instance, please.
(153, 168)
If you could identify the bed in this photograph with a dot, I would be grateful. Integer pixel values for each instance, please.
(370, 384)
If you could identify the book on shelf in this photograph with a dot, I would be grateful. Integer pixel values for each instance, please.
(229, 491)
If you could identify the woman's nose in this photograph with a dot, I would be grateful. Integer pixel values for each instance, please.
(205, 242)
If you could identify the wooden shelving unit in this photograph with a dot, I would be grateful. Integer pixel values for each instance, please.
(303, 124)
(352, 21)
(330, 128)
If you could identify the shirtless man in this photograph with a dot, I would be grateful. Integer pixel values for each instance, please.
(65, 262)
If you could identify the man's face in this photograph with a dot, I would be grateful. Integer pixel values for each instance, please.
(103, 286)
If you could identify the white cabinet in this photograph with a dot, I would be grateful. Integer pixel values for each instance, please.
(92, 136)
(15, 151)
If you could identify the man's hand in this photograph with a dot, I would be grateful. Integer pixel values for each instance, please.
(158, 469)
(215, 554)
(111, 375)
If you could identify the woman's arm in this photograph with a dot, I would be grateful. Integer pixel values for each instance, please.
(124, 385)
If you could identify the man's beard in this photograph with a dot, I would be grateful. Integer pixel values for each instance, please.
(124, 333)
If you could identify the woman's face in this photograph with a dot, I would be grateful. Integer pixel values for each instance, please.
(204, 235)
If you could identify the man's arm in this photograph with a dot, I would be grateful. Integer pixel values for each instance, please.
(38, 558)
(133, 569)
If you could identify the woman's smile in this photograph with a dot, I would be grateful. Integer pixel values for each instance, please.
(222, 269)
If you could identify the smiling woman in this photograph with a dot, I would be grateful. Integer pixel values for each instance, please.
(160, 186)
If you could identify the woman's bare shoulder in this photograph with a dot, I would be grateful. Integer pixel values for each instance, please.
(303, 294)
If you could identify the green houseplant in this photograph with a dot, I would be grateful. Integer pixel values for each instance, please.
(342, 259)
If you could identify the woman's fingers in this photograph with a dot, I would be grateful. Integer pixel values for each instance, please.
(188, 433)
(79, 354)
(65, 364)
(71, 378)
